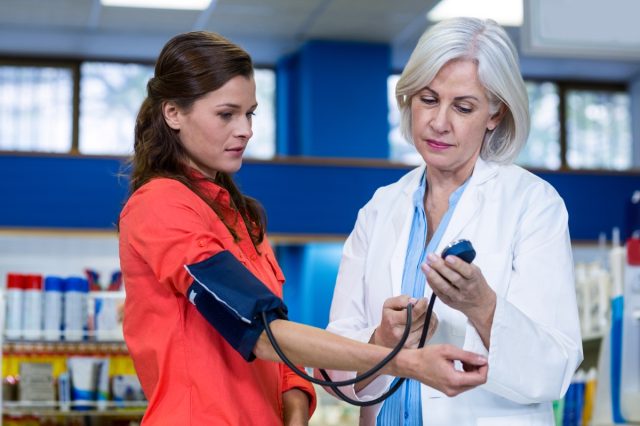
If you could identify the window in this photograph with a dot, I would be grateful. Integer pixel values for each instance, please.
(399, 148)
(595, 133)
(598, 129)
(110, 96)
(36, 108)
(263, 142)
(542, 149)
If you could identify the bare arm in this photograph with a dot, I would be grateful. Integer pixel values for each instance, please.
(432, 365)
(295, 407)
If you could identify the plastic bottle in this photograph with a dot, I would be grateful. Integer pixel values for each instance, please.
(15, 296)
(75, 308)
(32, 304)
(53, 294)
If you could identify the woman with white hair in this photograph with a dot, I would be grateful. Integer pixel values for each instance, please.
(464, 106)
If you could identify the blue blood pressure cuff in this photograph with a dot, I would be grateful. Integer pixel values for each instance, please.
(232, 300)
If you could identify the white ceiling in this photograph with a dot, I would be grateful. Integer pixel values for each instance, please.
(268, 29)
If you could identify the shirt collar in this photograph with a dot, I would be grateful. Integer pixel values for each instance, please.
(211, 189)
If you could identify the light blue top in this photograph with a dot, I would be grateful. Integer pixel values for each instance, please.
(404, 407)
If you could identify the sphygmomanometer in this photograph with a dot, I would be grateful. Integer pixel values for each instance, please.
(241, 312)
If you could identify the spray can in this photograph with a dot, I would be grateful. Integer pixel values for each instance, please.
(15, 296)
(32, 313)
(53, 295)
(75, 308)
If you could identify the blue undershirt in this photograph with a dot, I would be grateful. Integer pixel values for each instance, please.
(404, 407)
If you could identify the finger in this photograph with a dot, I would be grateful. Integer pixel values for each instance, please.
(460, 266)
(419, 309)
(471, 378)
(472, 359)
(398, 303)
(444, 269)
(445, 291)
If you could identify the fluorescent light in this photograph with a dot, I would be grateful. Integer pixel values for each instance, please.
(505, 12)
(159, 4)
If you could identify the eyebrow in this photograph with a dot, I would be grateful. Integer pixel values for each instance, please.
(457, 98)
(234, 106)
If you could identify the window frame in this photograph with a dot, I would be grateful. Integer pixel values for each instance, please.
(564, 86)
(75, 65)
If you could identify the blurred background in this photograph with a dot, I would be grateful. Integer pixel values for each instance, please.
(73, 74)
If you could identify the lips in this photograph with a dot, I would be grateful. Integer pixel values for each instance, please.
(436, 144)
(235, 149)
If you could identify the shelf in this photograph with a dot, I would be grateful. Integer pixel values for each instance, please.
(50, 409)
(124, 413)
(80, 347)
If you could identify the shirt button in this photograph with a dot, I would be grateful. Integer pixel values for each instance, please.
(406, 415)
(254, 257)
(201, 243)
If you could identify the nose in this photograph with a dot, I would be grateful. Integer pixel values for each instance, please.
(244, 129)
(440, 121)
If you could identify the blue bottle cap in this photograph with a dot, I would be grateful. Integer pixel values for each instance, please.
(77, 284)
(53, 283)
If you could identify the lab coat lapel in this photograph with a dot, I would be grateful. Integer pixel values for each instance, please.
(401, 220)
(468, 205)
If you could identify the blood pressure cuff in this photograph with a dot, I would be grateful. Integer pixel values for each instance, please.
(232, 300)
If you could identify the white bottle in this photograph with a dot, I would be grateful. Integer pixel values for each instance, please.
(15, 296)
(53, 293)
(32, 312)
(75, 308)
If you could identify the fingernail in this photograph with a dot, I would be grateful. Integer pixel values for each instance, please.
(425, 267)
(450, 259)
(413, 300)
(432, 257)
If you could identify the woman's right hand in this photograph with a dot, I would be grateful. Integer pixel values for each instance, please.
(394, 320)
(434, 366)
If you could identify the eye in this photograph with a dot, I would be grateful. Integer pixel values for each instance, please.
(428, 100)
(225, 115)
(251, 114)
(464, 109)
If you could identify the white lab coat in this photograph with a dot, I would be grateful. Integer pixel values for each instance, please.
(518, 225)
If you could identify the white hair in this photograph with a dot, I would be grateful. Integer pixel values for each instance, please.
(488, 45)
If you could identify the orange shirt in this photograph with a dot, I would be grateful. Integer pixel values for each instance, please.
(189, 373)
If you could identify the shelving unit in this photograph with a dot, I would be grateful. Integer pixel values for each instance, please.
(56, 352)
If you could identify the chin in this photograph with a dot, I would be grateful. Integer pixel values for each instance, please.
(232, 168)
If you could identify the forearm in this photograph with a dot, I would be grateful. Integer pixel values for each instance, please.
(482, 320)
(314, 347)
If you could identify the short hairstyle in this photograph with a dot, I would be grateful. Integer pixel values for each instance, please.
(489, 46)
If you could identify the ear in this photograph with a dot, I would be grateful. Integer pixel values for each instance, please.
(496, 118)
(171, 115)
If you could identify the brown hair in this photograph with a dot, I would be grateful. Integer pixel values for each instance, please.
(189, 66)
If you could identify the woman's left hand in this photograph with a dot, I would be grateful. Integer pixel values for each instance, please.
(462, 286)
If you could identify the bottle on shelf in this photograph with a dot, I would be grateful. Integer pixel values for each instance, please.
(32, 307)
(15, 296)
(75, 308)
(53, 296)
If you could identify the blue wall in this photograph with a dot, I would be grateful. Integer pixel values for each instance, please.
(332, 100)
(305, 198)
